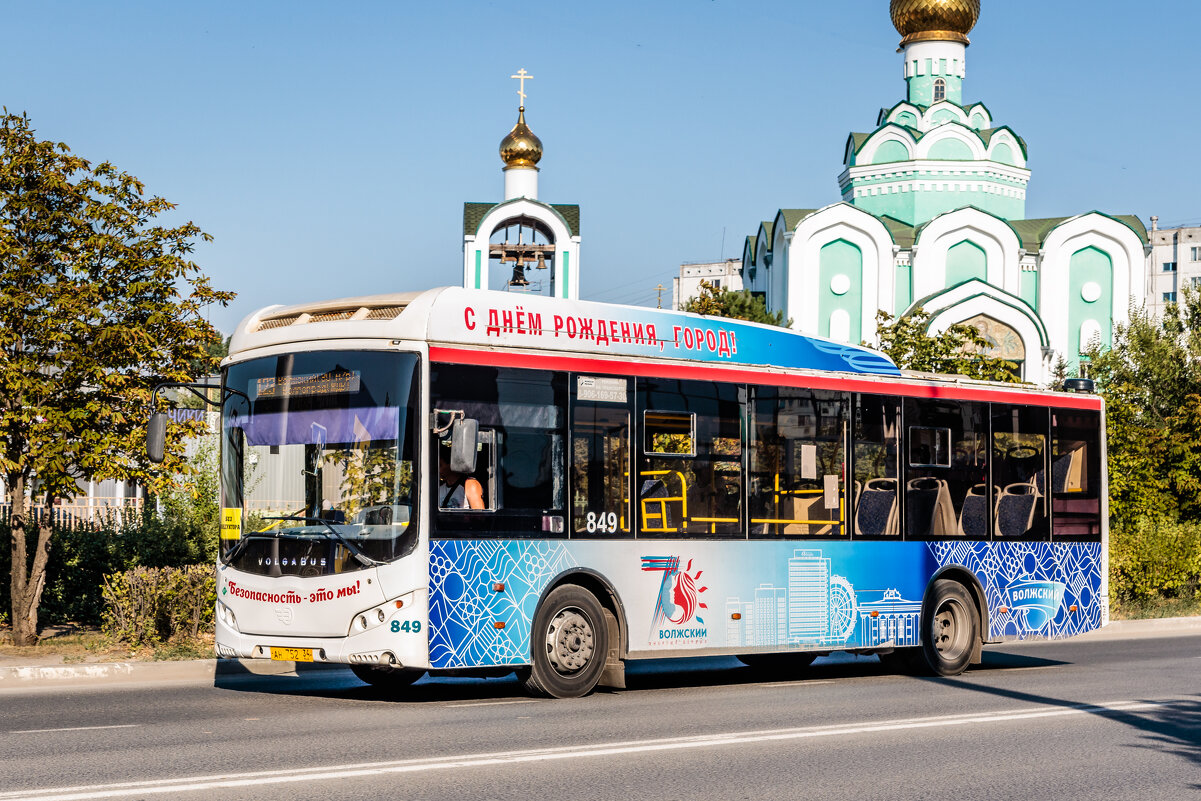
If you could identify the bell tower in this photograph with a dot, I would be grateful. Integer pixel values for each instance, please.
(540, 241)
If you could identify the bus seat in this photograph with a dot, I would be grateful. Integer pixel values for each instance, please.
(928, 509)
(973, 518)
(1015, 509)
(1067, 473)
(876, 512)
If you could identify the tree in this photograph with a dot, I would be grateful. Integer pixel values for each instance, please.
(214, 351)
(98, 303)
(1151, 381)
(739, 304)
(960, 350)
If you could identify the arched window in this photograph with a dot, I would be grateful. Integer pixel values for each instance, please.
(940, 89)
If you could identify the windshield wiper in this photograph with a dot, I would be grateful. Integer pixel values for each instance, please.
(355, 551)
(242, 543)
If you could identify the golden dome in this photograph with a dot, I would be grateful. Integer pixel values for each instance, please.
(521, 148)
(934, 20)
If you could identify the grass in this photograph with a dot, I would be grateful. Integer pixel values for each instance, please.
(70, 643)
(75, 645)
(186, 649)
(1162, 607)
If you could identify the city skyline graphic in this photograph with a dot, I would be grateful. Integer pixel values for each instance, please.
(816, 608)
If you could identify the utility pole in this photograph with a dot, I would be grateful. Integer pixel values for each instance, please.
(660, 289)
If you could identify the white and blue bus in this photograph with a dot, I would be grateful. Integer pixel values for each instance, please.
(470, 482)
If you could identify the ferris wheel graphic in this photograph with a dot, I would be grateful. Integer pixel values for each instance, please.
(843, 609)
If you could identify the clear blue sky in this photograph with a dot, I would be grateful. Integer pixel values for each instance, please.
(329, 148)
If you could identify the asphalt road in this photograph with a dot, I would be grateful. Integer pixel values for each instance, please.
(1083, 719)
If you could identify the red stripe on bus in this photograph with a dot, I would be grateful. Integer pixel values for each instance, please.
(884, 385)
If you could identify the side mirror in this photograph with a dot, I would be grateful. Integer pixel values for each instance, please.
(464, 435)
(156, 437)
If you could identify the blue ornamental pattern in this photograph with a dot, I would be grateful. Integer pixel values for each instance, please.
(1077, 567)
(861, 360)
(464, 609)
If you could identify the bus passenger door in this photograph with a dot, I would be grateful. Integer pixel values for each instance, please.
(600, 457)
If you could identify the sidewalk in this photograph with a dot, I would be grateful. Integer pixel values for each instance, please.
(21, 672)
(16, 672)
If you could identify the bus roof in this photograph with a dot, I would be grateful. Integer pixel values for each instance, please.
(486, 318)
(473, 326)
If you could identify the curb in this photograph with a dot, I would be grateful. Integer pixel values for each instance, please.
(1141, 629)
(183, 670)
(210, 669)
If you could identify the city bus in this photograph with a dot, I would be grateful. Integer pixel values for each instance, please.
(468, 482)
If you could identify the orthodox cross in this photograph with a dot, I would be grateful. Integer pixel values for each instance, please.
(522, 77)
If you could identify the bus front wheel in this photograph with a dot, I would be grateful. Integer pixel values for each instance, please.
(949, 629)
(570, 643)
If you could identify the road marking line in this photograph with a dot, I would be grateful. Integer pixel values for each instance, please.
(793, 683)
(495, 703)
(331, 772)
(77, 728)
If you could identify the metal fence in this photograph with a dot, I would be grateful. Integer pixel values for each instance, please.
(82, 513)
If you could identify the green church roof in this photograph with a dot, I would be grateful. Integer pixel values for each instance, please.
(474, 214)
(986, 135)
(793, 217)
(903, 234)
(768, 227)
(1034, 232)
(571, 215)
(1135, 224)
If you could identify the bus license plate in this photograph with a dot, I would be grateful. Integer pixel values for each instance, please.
(292, 654)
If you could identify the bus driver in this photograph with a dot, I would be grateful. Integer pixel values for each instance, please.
(455, 490)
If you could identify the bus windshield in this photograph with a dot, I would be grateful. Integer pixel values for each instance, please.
(317, 461)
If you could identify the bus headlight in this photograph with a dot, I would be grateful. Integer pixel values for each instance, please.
(227, 616)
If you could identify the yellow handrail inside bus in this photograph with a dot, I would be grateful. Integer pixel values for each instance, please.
(661, 513)
(779, 495)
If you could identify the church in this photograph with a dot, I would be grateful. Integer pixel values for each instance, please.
(932, 216)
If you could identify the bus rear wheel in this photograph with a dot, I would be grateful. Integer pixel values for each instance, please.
(949, 628)
(570, 643)
(385, 677)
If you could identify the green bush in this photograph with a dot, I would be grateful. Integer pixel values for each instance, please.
(146, 606)
(1153, 559)
(81, 558)
(185, 533)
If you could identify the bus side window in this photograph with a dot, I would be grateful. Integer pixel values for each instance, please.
(689, 481)
(876, 434)
(600, 457)
(1019, 468)
(946, 469)
(521, 456)
(1075, 477)
(796, 463)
